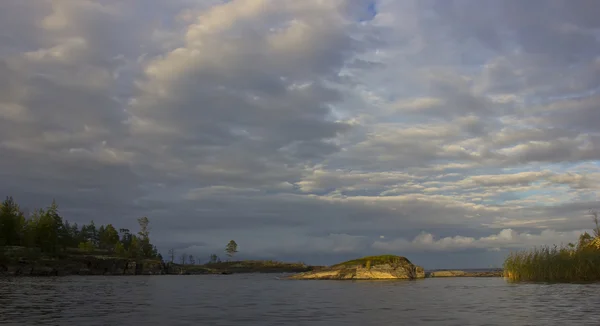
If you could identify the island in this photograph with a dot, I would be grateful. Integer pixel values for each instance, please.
(385, 267)
(20, 261)
(366, 268)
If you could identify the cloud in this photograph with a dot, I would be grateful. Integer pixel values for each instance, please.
(314, 130)
(506, 239)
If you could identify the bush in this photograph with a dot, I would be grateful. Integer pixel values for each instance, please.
(87, 246)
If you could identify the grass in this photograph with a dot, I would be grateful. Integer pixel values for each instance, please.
(375, 260)
(572, 263)
(553, 265)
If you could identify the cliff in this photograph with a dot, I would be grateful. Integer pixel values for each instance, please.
(367, 268)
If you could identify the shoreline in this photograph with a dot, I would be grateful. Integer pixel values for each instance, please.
(124, 267)
(83, 264)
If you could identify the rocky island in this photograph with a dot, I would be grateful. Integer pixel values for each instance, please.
(366, 268)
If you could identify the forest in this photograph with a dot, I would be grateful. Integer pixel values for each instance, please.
(46, 230)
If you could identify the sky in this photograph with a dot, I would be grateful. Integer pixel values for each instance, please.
(449, 132)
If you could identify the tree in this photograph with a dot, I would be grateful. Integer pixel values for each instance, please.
(183, 258)
(144, 233)
(144, 227)
(59, 228)
(12, 221)
(135, 250)
(120, 250)
(214, 259)
(67, 235)
(108, 237)
(89, 233)
(595, 218)
(172, 255)
(231, 248)
(47, 230)
(191, 260)
(75, 235)
(125, 238)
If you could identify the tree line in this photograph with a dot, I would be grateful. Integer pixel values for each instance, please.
(46, 230)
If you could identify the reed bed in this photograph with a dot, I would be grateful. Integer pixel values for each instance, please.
(572, 263)
(553, 264)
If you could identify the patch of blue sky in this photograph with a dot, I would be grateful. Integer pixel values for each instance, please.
(567, 166)
(559, 194)
(573, 96)
(371, 12)
(538, 167)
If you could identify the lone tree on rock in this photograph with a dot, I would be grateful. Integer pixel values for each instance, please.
(231, 248)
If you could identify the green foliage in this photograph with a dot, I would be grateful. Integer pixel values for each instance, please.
(135, 250)
(108, 237)
(231, 248)
(48, 233)
(573, 263)
(126, 238)
(120, 250)
(12, 223)
(376, 260)
(87, 246)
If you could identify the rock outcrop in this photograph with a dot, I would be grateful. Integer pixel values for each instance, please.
(458, 273)
(81, 265)
(21, 261)
(367, 268)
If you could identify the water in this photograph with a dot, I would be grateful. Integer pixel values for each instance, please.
(266, 300)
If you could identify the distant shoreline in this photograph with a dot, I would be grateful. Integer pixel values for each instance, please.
(114, 266)
(23, 263)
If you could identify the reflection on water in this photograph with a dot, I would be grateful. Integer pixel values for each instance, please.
(266, 300)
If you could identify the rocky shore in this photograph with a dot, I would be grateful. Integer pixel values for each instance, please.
(385, 267)
(366, 268)
(82, 264)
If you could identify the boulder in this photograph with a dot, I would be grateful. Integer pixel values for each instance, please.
(366, 268)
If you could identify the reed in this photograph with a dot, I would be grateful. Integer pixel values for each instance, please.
(572, 263)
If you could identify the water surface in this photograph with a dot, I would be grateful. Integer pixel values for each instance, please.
(265, 300)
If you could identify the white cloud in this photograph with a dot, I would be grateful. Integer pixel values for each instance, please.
(506, 239)
(334, 131)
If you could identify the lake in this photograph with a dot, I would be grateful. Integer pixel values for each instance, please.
(263, 299)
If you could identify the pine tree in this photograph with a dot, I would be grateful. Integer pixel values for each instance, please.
(12, 221)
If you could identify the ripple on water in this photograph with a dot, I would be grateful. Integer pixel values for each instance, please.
(266, 300)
